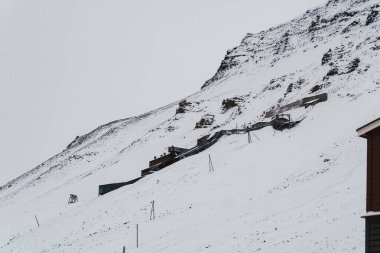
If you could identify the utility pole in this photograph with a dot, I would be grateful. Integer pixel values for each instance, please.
(123, 249)
(137, 235)
(210, 166)
(35, 216)
(152, 213)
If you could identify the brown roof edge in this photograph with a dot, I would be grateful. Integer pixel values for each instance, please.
(362, 131)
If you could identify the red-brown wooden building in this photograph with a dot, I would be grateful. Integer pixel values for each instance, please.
(371, 132)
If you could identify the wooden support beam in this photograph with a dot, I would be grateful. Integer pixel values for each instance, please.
(210, 165)
(35, 216)
(137, 235)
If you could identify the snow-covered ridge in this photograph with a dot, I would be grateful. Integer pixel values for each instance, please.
(314, 27)
(300, 190)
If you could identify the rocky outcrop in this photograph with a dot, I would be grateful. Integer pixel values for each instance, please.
(320, 25)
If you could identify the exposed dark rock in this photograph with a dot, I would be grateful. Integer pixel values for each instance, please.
(319, 23)
(315, 88)
(170, 128)
(182, 106)
(327, 57)
(180, 110)
(274, 86)
(290, 88)
(283, 44)
(332, 2)
(230, 103)
(314, 24)
(74, 142)
(228, 63)
(332, 72)
(350, 26)
(206, 121)
(75, 157)
(339, 17)
(371, 18)
(354, 64)
(275, 83)
(294, 86)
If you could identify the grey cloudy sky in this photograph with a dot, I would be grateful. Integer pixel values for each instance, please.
(67, 66)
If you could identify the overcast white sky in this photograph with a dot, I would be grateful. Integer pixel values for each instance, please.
(67, 66)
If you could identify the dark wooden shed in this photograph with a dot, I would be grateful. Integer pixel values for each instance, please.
(371, 132)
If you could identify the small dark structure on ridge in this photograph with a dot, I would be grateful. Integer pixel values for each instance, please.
(371, 132)
(73, 198)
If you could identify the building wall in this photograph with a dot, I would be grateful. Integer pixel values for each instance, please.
(372, 241)
(373, 177)
(177, 150)
(162, 159)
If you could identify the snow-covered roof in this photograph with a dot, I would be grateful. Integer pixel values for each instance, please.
(370, 214)
(362, 131)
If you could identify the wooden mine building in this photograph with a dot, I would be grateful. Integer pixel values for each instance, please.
(163, 161)
(172, 152)
(371, 132)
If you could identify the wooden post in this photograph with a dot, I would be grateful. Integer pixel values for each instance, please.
(249, 137)
(123, 249)
(35, 216)
(211, 167)
(137, 235)
(152, 213)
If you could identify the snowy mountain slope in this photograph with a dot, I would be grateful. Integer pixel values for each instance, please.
(299, 190)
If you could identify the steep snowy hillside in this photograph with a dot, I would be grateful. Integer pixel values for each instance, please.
(297, 190)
